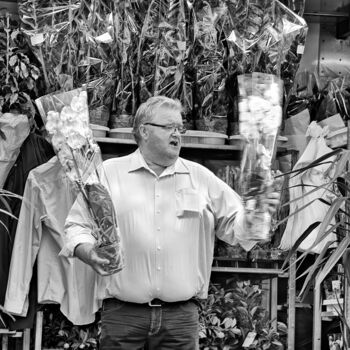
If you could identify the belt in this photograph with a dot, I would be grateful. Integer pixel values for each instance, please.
(153, 303)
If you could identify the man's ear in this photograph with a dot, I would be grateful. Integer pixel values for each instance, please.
(143, 132)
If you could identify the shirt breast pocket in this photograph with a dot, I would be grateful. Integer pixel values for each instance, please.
(187, 203)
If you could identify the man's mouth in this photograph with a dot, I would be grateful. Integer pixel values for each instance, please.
(174, 143)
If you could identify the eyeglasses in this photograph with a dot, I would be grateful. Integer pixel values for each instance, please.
(170, 127)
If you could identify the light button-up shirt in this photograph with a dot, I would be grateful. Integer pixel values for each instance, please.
(167, 226)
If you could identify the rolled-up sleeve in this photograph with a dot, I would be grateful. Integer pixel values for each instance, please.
(78, 227)
(229, 213)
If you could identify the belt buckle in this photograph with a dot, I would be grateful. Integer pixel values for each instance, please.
(154, 305)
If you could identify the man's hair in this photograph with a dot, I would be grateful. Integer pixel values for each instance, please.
(146, 111)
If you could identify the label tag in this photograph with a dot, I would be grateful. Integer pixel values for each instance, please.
(104, 38)
(37, 39)
(300, 49)
(248, 341)
(232, 36)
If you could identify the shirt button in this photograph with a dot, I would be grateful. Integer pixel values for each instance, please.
(158, 289)
(158, 248)
(158, 268)
(158, 211)
(157, 195)
(158, 228)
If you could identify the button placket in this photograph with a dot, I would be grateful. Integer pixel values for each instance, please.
(158, 231)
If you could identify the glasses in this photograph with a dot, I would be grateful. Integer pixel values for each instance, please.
(170, 127)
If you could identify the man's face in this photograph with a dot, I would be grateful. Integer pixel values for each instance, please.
(162, 144)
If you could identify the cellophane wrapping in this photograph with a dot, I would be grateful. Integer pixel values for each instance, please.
(260, 112)
(66, 117)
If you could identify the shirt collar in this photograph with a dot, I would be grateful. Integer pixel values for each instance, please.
(138, 162)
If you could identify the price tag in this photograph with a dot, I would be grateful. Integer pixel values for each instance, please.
(232, 36)
(37, 39)
(104, 38)
(300, 49)
(248, 341)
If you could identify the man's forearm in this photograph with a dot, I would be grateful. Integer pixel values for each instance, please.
(83, 252)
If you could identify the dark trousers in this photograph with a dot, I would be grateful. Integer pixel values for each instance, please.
(129, 326)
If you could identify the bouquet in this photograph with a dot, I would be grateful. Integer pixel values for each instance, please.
(67, 122)
(260, 115)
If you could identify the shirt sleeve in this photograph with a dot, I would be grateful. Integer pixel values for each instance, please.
(229, 212)
(78, 228)
(25, 249)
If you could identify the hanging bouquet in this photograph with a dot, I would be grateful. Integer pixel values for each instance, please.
(260, 115)
(67, 122)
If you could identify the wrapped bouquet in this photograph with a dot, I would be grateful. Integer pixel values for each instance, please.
(67, 122)
(260, 115)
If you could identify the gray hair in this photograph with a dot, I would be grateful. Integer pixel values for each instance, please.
(146, 111)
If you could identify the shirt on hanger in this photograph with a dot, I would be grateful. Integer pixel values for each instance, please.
(167, 226)
(47, 199)
(15, 129)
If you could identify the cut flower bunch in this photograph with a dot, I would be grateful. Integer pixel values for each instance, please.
(67, 122)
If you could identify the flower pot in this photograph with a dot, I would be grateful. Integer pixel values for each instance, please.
(214, 123)
(121, 121)
(99, 115)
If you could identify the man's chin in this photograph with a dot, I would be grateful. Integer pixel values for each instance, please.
(172, 156)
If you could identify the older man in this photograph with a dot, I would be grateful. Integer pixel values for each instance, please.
(169, 210)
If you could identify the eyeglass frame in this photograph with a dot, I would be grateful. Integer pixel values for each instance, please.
(182, 130)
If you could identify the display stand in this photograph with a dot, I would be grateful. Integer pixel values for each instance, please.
(6, 334)
(291, 303)
(318, 315)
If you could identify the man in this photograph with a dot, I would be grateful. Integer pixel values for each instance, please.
(168, 210)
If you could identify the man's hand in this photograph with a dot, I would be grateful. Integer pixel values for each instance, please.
(272, 201)
(86, 253)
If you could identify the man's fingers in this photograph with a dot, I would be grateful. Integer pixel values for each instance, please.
(273, 195)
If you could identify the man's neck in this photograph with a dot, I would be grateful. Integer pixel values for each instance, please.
(154, 165)
(157, 168)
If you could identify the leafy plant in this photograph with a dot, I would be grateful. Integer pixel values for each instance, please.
(58, 332)
(5, 208)
(19, 74)
(327, 258)
(231, 312)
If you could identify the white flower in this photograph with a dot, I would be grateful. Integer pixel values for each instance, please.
(75, 140)
(67, 114)
(84, 115)
(79, 103)
(58, 140)
(53, 123)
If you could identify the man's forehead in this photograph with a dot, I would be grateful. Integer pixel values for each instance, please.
(166, 112)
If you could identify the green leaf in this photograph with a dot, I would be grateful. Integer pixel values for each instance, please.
(24, 70)
(13, 98)
(315, 267)
(333, 259)
(299, 241)
(13, 60)
(35, 73)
